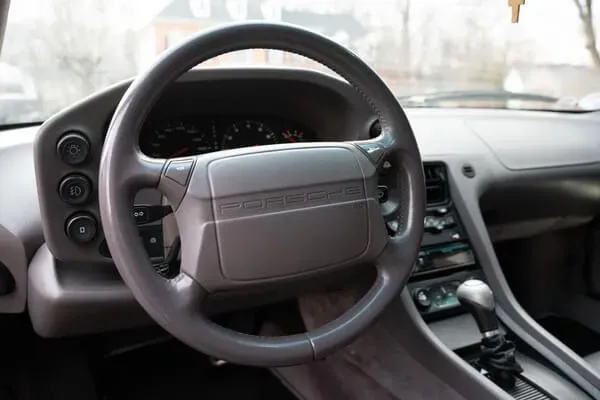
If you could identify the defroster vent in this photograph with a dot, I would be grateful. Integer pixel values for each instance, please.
(436, 182)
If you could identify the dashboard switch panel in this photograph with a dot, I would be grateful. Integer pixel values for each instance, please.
(73, 148)
(75, 189)
(422, 299)
(152, 239)
(446, 256)
(441, 226)
(438, 296)
(141, 214)
(382, 193)
(145, 214)
(81, 227)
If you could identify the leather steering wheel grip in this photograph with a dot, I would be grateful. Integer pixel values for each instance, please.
(175, 303)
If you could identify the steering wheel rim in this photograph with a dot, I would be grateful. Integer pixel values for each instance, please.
(175, 304)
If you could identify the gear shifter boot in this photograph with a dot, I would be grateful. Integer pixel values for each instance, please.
(497, 353)
(498, 359)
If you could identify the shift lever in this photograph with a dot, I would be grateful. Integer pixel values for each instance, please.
(497, 355)
(477, 298)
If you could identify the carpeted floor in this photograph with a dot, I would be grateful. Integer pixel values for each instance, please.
(578, 337)
(173, 371)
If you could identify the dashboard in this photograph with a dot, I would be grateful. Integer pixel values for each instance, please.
(181, 136)
(491, 175)
(65, 281)
(195, 115)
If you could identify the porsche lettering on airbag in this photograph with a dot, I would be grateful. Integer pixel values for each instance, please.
(336, 194)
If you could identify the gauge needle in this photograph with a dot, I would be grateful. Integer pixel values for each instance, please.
(289, 138)
(179, 152)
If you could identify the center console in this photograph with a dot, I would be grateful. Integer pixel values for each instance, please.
(446, 258)
(449, 291)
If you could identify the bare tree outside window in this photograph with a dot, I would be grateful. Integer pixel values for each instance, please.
(586, 14)
(74, 50)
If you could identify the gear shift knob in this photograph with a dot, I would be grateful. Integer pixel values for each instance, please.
(497, 355)
(477, 298)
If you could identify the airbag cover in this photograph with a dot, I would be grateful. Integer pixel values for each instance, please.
(292, 211)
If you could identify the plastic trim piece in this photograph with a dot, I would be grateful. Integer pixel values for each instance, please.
(12, 255)
(461, 331)
(466, 194)
(77, 299)
(416, 337)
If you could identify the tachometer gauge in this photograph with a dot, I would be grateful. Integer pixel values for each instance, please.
(248, 133)
(179, 139)
(292, 135)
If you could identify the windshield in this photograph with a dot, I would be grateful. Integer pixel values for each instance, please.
(432, 53)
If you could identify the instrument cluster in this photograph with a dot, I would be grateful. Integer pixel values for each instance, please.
(188, 136)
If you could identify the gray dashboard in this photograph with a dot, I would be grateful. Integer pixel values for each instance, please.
(323, 104)
(522, 155)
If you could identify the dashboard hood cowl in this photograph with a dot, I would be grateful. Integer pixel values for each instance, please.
(545, 141)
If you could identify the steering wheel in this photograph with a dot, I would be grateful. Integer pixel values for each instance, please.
(259, 217)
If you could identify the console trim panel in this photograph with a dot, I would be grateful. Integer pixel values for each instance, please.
(466, 193)
(66, 300)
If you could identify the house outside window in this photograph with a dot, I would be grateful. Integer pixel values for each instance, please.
(275, 57)
(241, 57)
(237, 9)
(200, 8)
(173, 37)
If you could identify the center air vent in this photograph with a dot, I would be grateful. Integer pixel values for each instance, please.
(436, 183)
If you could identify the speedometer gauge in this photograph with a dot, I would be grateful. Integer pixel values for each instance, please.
(293, 135)
(179, 139)
(248, 133)
(184, 136)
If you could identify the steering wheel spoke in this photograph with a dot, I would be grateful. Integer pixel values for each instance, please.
(175, 178)
(393, 267)
(377, 149)
(187, 293)
(139, 171)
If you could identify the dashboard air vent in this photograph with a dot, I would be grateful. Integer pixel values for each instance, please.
(436, 183)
